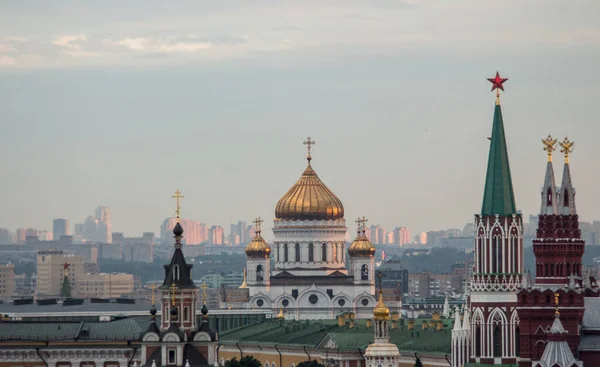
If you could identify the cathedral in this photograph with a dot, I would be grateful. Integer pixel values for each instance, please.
(512, 319)
(310, 279)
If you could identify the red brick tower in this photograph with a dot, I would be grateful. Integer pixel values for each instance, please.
(558, 250)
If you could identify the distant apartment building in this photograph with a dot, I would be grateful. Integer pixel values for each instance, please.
(97, 228)
(401, 236)
(147, 238)
(6, 237)
(7, 281)
(194, 232)
(216, 235)
(377, 235)
(426, 284)
(239, 233)
(51, 270)
(23, 233)
(44, 235)
(60, 227)
(104, 285)
(421, 238)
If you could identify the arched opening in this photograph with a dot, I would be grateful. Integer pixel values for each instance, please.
(278, 245)
(285, 252)
(568, 269)
(311, 252)
(176, 272)
(566, 197)
(477, 341)
(549, 197)
(259, 273)
(480, 255)
(495, 253)
(324, 252)
(364, 272)
(515, 258)
(497, 341)
(297, 252)
(517, 341)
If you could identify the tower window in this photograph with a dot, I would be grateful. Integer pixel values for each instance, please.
(497, 342)
(549, 197)
(186, 313)
(566, 197)
(297, 252)
(172, 355)
(311, 252)
(517, 341)
(324, 252)
(364, 272)
(176, 272)
(278, 246)
(259, 273)
(285, 252)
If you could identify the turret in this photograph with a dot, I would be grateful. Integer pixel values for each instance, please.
(567, 191)
(258, 260)
(549, 194)
(362, 257)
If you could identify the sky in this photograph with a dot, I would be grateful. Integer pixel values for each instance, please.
(121, 103)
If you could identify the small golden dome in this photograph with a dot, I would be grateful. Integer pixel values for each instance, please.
(381, 311)
(258, 247)
(361, 247)
(309, 199)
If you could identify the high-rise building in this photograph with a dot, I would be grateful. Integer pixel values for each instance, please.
(401, 236)
(5, 236)
(23, 233)
(242, 230)
(60, 227)
(216, 235)
(51, 270)
(7, 281)
(97, 228)
(377, 235)
(196, 232)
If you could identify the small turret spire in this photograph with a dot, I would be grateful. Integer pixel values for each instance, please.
(244, 285)
(566, 205)
(549, 196)
(457, 323)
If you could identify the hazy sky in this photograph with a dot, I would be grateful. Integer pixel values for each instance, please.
(120, 103)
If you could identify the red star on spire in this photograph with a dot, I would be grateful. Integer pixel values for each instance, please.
(65, 265)
(497, 82)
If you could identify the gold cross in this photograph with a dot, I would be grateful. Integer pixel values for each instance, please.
(556, 295)
(177, 196)
(204, 296)
(309, 143)
(358, 223)
(173, 288)
(257, 222)
(567, 147)
(153, 287)
(364, 223)
(549, 146)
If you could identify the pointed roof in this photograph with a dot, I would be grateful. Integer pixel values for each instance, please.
(466, 320)
(178, 271)
(557, 351)
(549, 196)
(457, 324)
(567, 193)
(498, 194)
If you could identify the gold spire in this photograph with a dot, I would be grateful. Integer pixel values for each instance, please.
(177, 196)
(281, 315)
(204, 294)
(549, 146)
(244, 285)
(309, 143)
(153, 287)
(567, 148)
(556, 312)
(173, 288)
(498, 97)
(361, 246)
(381, 311)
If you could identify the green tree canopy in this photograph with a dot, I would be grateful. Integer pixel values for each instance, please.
(312, 363)
(246, 361)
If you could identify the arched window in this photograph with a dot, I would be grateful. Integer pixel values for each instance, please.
(334, 257)
(324, 252)
(364, 272)
(495, 245)
(176, 272)
(515, 258)
(497, 342)
(566, 198)
(297, 252)
(480, 255)
(259, 273)
(549, 197)
(285, 252)
(311, 252)
(568, 269)
(278, 252)
(517, 341)
(477, 341)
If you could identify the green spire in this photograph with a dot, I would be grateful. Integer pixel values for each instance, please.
(66, 288)
(498, 195)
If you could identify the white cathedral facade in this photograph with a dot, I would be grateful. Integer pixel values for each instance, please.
(310, 279)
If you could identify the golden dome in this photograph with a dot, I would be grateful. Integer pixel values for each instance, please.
(381, 311)
(258, 247)
(361, 247)
(309, 199)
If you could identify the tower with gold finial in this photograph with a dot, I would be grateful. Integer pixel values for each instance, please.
(65, 291)
(362, 257)
(178, 291)
(381, 352)
(258, 263)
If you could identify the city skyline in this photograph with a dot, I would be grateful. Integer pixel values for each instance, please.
(123, 107)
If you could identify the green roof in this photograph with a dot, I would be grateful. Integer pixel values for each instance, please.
(313, 333)
(498, 195)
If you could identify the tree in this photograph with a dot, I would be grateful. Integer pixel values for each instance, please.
(66, 288)
(246, 361)
(312, 363)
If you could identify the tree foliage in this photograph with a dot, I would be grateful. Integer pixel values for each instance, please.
(246, 361)
(312, 363)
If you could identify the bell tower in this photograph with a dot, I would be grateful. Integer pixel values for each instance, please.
(258, 260)
(362, 257)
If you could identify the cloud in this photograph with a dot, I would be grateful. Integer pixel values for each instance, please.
(73, 45)
(7, 61)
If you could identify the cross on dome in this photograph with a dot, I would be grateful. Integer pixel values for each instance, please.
(257, 222)
(177, 196)
(309, 143)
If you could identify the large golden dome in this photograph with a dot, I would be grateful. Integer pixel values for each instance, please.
(309, 199)
(258, 247)
(361, 247)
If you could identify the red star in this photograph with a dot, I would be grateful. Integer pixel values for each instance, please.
(66, 266)
(497, 82)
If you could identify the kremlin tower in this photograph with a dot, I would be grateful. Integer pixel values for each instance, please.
(558, 250)
(493, 334)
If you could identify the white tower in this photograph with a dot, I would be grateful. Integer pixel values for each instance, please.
(381, 353)
(362, 260)
(258, 261)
